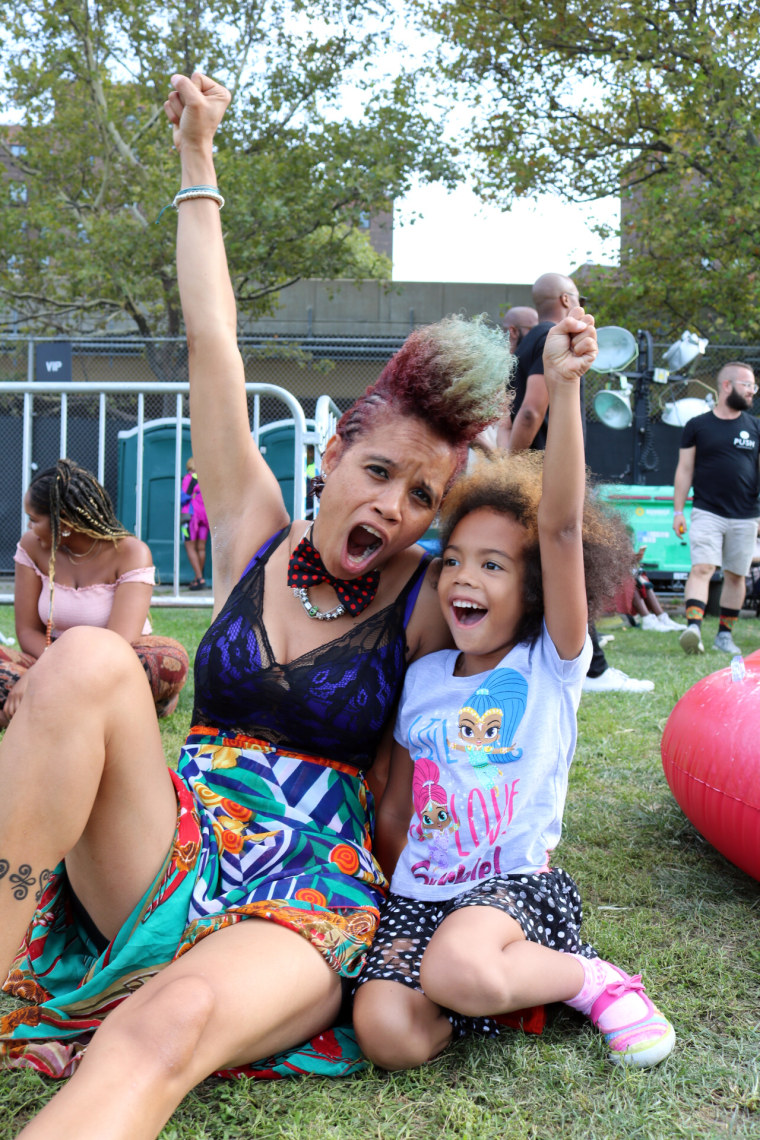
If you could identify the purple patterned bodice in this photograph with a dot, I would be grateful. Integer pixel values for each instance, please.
(334, 701)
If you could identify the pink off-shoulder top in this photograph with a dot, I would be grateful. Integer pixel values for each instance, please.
(85, 605)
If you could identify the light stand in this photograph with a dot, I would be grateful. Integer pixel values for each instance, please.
(645, 375)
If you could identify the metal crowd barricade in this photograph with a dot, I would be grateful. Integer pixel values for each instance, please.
(301, 438)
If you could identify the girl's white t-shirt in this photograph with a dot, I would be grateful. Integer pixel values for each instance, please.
(491, 759)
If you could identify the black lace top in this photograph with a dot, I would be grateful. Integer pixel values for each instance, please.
(334, 701)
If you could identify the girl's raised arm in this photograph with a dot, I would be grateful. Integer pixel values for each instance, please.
(242, 496)
(570, 349)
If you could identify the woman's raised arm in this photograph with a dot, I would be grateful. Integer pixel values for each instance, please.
(242, 496)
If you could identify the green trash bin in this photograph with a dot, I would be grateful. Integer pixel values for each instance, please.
(648, 511)
(277, 441)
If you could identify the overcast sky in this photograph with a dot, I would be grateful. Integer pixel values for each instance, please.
(459, 239)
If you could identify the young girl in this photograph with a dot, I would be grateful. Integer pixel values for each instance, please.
(477, 925)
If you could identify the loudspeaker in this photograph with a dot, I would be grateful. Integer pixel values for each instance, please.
(613, 408)
(617, 348)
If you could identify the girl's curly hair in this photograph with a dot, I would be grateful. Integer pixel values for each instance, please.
(452, 375)
(511, 484)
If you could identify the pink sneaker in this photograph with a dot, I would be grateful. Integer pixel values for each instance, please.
(636, 1032)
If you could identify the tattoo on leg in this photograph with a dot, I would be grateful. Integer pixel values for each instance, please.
(21, 881)
(45, 877)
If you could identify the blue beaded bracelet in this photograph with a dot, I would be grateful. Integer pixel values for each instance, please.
(199, 192)
(193, 192)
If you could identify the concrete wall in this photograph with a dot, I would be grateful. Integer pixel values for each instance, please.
(379, 308)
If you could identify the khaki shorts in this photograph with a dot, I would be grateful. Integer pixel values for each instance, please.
(728, 543)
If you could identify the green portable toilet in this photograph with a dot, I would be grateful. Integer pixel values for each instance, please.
(276, 441)
(159, 442)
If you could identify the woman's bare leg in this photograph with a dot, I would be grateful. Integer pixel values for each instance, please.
(192, 557)
(239, 995)
(201, 549)
(82, 775)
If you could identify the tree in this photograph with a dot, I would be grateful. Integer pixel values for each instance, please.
(654, 100)
(81, 249)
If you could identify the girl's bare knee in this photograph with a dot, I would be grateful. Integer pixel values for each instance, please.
(386, 1047)
(398, 1031)
(473, 987)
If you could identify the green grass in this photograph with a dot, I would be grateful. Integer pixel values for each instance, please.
(658, 900)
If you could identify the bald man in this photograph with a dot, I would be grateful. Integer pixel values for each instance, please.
(554, 295)
(517, 323)
(719, 455)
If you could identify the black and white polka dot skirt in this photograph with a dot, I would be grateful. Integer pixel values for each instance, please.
(547, 906)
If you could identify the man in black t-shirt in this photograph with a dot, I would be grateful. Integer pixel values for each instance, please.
(554, 295)
(517, 323)
(719, 456)
(528, 381)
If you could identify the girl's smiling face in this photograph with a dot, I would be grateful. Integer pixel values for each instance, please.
(481, 587)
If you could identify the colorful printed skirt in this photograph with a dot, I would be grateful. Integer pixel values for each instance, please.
(261, 833)
(164, 660)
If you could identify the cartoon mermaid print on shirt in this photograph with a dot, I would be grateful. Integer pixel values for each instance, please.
(492, 714)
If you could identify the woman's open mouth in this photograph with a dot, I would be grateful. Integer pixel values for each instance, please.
(467, 613)
(363, 543)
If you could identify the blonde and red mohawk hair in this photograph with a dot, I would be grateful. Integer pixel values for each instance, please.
(453, 375)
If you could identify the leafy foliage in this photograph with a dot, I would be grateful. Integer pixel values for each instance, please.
(653, 100)
(87, 80)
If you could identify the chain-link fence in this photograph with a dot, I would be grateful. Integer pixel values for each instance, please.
(306, 367)
(90, 428)
(649, 456)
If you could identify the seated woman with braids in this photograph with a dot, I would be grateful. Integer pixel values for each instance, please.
(77, 565)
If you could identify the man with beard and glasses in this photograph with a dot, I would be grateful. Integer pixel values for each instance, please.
(719, 457)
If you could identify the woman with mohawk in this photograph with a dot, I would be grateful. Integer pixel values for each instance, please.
(218, 913)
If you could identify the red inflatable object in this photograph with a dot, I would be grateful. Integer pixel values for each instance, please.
(711, 757)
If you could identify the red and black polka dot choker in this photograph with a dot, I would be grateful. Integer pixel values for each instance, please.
(306, 569)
